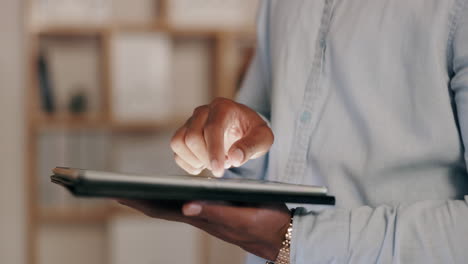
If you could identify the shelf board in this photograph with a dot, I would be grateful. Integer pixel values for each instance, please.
(145, 126)
(72, 30)
(75, 214)
(145, 27)
(89, 30)
(44, 121)
(70, 121)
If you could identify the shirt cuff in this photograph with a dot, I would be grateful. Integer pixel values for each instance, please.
(320, 237)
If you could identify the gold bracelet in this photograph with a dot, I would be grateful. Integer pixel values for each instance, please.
(285, 252)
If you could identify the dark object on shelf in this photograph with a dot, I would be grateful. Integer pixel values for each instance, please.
(78, 103)
(45, 89)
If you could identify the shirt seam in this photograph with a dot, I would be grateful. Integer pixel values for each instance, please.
(459, 6)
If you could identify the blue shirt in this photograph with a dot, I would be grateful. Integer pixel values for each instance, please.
(370, 98)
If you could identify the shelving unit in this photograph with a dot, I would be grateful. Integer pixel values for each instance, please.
(224, 73)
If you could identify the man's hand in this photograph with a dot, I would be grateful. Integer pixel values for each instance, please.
(220, 135)
(257, 229)
(217, 136)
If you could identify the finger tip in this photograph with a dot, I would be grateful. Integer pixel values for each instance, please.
(217, 168)
(191, 209)
(218, 173)
(236, 156)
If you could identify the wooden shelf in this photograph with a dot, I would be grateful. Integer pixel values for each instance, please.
(45, 121)
(70, 121)
(87, 30)
(144, 126)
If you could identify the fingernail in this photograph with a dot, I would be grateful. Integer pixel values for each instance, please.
(192, 209)
(237, 157)
(227, 164)
(216, 169)
(198, 166)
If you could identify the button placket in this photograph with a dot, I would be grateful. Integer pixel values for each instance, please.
(311, 105)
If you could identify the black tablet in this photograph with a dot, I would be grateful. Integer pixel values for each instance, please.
(88, 183)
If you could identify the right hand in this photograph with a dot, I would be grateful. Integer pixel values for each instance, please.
(220, 135)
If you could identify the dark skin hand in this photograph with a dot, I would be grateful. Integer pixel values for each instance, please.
(218, 136)
(257, 229)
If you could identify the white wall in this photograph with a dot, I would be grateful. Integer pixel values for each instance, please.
(12, 81)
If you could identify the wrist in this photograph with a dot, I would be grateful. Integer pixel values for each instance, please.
(282, 254)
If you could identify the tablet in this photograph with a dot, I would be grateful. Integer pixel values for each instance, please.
(88, 183)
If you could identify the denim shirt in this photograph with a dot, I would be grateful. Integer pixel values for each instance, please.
(370, 98)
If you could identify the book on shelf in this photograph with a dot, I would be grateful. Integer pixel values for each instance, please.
(214, 14)
(141, 64)
(73, 68)
(45, 89)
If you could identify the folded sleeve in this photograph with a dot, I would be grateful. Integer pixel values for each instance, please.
(423, 232)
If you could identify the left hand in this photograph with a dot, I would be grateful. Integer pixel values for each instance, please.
(257, 229)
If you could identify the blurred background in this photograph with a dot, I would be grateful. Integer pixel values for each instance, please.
(103, 84)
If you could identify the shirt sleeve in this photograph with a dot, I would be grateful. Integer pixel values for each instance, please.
(423, 232)
(255, 93)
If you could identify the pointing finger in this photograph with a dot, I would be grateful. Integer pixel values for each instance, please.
(215, 128)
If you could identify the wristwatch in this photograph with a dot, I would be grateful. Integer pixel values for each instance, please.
(284, 253)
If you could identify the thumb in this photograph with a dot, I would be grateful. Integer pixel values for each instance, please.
(254, 144)
(220, 213)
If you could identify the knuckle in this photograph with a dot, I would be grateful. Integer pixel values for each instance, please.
(219, 100)
(193, 139)
(200, 109)
(209, 128)
(186, 166)
(177, 160)
(176, 144)
(248, 149)
(222, 103)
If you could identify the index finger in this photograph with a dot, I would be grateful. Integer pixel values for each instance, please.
(218, 121)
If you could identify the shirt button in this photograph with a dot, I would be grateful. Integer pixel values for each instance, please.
(323, 43)
(305, 116)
